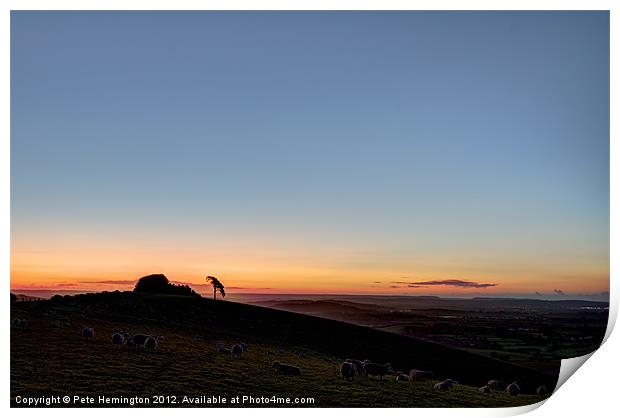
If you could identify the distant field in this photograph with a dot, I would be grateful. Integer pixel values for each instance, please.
(50, 358)
(531, 333)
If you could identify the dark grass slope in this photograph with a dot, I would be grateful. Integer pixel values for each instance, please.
(188, 366)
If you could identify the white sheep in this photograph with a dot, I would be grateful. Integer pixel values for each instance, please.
(485, 389)
(286, 369)
(150, 344)
(496, 384)
(375, 369)
(223, 350)
(87, 332)
(117, 340)
(236, 350)
(359, 366)
(445, 385)
(402, 377)
(347, 370)
(513, 389)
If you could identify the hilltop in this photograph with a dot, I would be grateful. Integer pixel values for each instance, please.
(50, 358)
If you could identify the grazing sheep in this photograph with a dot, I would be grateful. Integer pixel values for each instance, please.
(19, 323)
(130, 343)
(224, 350)
(359, 367)
(236, 350)
(150, 344)
(485, 389)
(140, 339)
(496, 384)
(416, 374)
(286, 369)
(513, 389)
(347, 370)
(445, 385)
(375, 369)
(117, 340)
(402, 377)
(87, 332)
(541, 390)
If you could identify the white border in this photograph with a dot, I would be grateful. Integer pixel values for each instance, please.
(599, 390)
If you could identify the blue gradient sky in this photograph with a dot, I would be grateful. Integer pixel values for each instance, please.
(312, 150)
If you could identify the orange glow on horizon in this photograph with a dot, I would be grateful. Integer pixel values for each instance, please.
(102, 265)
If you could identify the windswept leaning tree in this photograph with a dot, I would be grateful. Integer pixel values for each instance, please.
(217, 286)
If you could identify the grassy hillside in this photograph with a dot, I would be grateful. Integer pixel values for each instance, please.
(50, 358)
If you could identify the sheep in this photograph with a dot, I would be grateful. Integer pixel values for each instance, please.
(513, 389)
(445, 385)
(359, 367)
(117, 340)
(347, 370)
(496, 384)
(375, 369)
(402, 377)
(224, 350)
(286, 369)
(19, 323)
(541, 390)
(87, 332)
(140, 339)
(485, 389)
(416, 374)
(236, 350)
(150, 344)
(130, 343)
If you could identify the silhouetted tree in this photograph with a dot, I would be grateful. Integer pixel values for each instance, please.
(13, 298)
(217, 286)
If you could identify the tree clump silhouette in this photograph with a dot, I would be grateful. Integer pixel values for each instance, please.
(158, 283)
(218, 287)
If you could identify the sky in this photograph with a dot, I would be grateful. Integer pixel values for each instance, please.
(312, 152)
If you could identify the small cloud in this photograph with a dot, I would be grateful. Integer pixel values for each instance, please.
(449, 282)
(377, 282)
